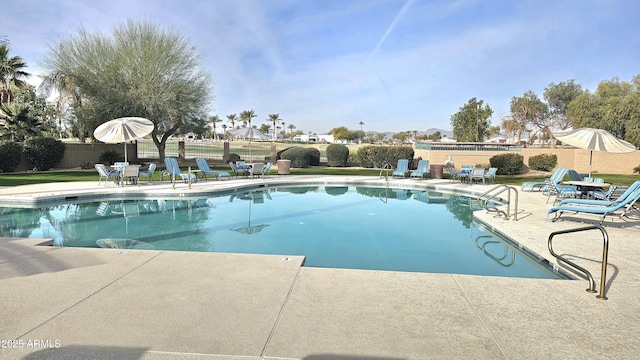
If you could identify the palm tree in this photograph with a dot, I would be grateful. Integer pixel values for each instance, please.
(214, 120)
(274, 118)
(21, 122)
(361, 131)
(69, 98)
(232, 118)
(246, 117)
(11, 73)
(291, 127)
(224, 130)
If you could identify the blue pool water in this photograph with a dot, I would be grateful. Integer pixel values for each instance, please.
(339, 227)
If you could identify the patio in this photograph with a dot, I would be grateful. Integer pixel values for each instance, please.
(144, 304)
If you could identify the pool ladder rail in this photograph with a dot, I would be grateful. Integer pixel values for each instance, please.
(485, 201)
(605, 254)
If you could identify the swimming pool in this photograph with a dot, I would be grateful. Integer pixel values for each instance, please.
(332, 226)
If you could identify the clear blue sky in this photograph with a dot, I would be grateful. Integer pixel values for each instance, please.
(393, 64)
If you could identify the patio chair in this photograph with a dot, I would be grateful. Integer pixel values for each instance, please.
(256, 170)
(206, 170)
(422, 171)
(266, 170)
(238, 171)
(556, 177)
(457, 175)
(624, 205)
(490, 175)
(148, 173)
(129, 174)
(106, 174)
(402, 169)
(477, 174)
(173, 170)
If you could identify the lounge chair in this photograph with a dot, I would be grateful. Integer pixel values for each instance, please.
(173, 170)
(148, 173)
(556, 177)
(422, 171)
(238, 171)
(490, 175)
(106, 174)
(402, 169)
(477, 174)
(206, 170)
(602, 202)
(561, 191)
(625, 205)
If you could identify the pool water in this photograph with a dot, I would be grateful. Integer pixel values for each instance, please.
(338, 227)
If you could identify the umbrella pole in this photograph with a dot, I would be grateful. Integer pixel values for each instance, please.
(125, 152)
(590, 162)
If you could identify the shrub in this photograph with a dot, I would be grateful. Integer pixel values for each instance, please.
(543, 162)
(43, 152)
(507, 164)
(86, 165)
(337, 155)
(10, 155)
(109, 157)
(636, 169)
(314, 156)
(378, 156)
(300, 157)
(234, 157)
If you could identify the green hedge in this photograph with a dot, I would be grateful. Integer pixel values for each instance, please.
(10, 155)
(543, 162)
(337, 155)
(43, 152)
(507, 164)
(300, 157)
(376, 156)
(314, 156)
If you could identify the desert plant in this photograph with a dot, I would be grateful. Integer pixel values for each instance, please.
(636, 170)
(507, 164)
(543, 162)
(234, 157)
(314, 156)
(109, 157)
(337, 155)
(300, 158)
(10, 155)
(43, 152)
(378, 156)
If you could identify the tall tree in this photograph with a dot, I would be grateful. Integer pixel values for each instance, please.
(558, 97)
(139, 69)
(246, 117)
(612, 107)
(274, 118)
(12, 73)
(214, 120)
(232, 118)
(472, 121)
(527, 110)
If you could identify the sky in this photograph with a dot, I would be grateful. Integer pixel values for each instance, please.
(395, 65)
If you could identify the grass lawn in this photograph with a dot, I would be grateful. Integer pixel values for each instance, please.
(26, 178)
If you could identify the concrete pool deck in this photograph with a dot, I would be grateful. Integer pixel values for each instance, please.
(76, 303)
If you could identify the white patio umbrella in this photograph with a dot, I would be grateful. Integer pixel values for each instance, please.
(251, 134)
(594, 140)
(123, 130)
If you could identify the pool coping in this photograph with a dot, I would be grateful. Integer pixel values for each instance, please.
(317, 313)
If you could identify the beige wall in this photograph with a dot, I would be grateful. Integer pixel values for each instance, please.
(576, 159)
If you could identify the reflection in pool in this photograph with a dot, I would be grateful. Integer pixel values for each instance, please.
(333, 226)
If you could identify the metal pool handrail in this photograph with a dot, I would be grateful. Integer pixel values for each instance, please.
(492, 193)
(605, 254)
